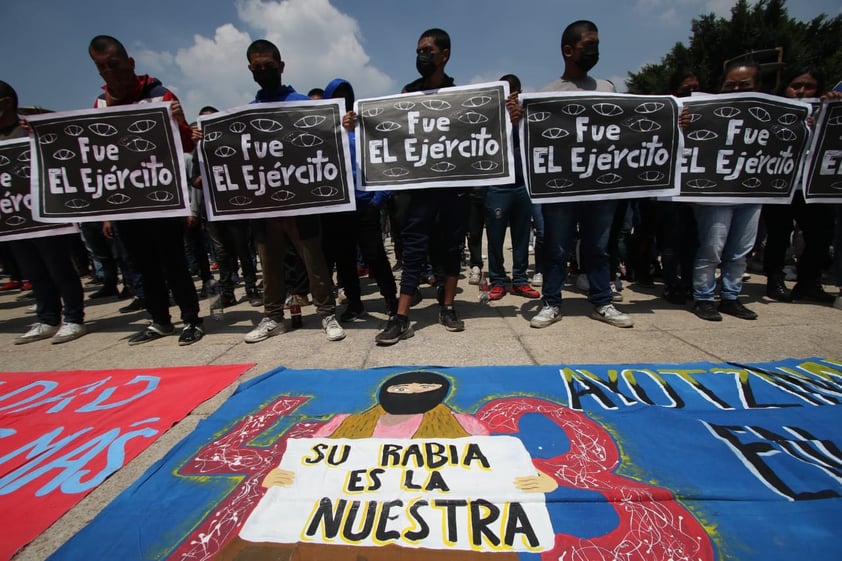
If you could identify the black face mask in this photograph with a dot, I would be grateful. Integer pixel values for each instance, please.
(425, 65)
(268, 78)
(589, 57)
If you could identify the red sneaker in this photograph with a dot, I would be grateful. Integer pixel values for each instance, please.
(11, 285)
(526, 291)
(496, 292)
(26, 286)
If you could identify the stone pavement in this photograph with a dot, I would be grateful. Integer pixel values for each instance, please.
(497, 333)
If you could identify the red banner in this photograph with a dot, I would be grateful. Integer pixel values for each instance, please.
(64, 433)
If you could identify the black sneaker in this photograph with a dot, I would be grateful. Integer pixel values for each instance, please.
(811, 292)
(105, 292)
(254, 296)
(136, 305)
(153, 331)
(735, 308)
(397, 328)
(190, 334)
(777, 290)
(352, 312)
(447, 317)
(706, 310)
(675, 295)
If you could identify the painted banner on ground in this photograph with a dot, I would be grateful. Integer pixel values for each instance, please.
(581, 146)
(107, 164)
(15, 199)
(697, 461)
(823, 178)
(64, 433)
(452, 137)
(276, 159)
(743, 148)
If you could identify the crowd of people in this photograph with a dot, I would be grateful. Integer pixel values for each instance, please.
(701, 250)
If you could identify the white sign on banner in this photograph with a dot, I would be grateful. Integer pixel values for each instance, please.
(455, 493)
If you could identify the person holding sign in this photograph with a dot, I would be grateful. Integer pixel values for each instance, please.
(726, 232)
(273, 236)
(436, 219)
(155, 246)
(814, 220)
(580, 49)
(46, 261)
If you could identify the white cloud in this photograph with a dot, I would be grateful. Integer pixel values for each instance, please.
(317, 42)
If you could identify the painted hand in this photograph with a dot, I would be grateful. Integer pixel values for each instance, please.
(541, 483)
(279, 478)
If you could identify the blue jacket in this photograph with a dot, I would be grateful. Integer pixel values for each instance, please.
(364, 198)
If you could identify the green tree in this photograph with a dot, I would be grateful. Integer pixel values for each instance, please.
(763, 26)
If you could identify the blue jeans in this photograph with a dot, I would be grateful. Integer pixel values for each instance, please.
(538, 224)
(726, 236)
(594, 219)
(508, 206)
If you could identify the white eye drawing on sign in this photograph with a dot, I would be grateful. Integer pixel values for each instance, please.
(538, 116)
(141, 126)
(309, 121)
(485, 165)
(573, 109)
(304, 140)
(760, 114)
(649, 107)
(48, 138)
(436, 104)
(266, 125)
(118, 199)
(607, 109)
(160, 196)
(609, 178)
(282, 195)
(74, 130)
(64, 155)
(325, 191)
(102, 129)
(395, 172)
(701, 183)
(400, 106)
(559, 183)
(726, 112)
(477, 101)
(443, 167)
(237, 127)
(138, 144)
(240, 200)
(555, 133)
(373, 112)
(752, 183)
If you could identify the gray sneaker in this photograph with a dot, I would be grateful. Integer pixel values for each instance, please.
(332, 329)
(38, 332)
(547, 316)
(265, 329)
(68, 332)
(609, 314)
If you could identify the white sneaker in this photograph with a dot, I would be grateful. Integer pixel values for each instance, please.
(582, 282)
(537, 279)
(838, 302)
(68, 332)
(609, 314)
(475, 275)
(38, 332)
(265, 329)
(340, 296)
(616, 295)
(531, 249)
(332, 329)
(547, 316)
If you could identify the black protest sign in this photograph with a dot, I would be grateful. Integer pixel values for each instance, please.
(824, 174)
(15, 199)
(108, 164)
(276, 159)
(743, 147)
(583, 146)
(452, 137)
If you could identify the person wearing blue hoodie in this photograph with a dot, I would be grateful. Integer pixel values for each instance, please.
(272, 236)
(342, 232)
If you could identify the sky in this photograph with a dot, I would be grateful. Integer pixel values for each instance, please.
(197, 47)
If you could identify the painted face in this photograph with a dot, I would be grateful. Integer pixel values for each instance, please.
(412, 393)
(740, 79)
(117, 70)
(414, 387)
(802, 86)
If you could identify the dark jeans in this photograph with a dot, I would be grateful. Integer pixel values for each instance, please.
(476, 224)
(594, 219)
(156, 248)
(678, 242)
(436, 220)
(231, 242)
(102, 250)
(342, 233)
(196, 251)
(508, 206)
(48, 264)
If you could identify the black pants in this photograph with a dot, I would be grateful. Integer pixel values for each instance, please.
(342, 232)
(48, 264)
(815, 221)
(156, 247)
(231, 241)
